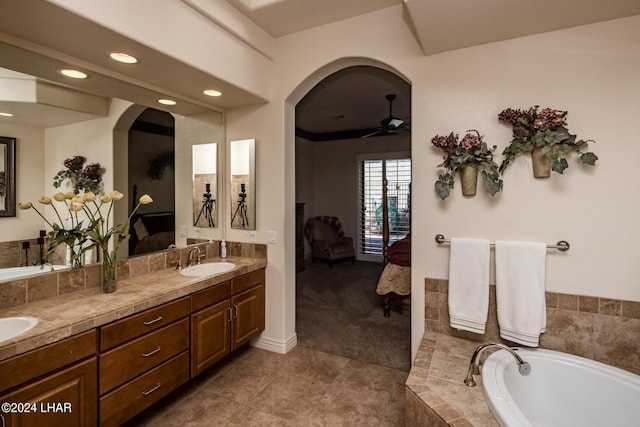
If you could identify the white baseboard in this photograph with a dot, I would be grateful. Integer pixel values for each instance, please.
(269, 344)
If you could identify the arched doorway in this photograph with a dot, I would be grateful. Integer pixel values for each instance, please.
(331, 118)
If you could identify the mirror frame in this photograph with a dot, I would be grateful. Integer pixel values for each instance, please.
(10, 177)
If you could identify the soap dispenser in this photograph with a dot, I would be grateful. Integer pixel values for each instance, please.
(223, 249)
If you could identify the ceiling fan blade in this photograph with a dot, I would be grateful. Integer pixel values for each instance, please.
(371, 134)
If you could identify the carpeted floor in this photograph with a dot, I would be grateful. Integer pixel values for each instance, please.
(339, 312)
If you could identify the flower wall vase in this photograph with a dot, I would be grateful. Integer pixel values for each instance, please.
(469, 179)
(109, 282)
(541, 161)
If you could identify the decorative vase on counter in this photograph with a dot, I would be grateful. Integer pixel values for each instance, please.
(541, 161)
(109, 282)
(469, 179)
(76, 256)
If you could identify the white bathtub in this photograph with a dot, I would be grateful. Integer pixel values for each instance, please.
(12, 273)
(562, 390)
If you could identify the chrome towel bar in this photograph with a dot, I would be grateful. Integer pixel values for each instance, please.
(562, 245)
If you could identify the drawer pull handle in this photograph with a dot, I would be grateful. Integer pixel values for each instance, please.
(151, 353)
(151, 322)
(148, 392)
(235, 311)
(230, 311)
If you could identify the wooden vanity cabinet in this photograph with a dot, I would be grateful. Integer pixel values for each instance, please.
(59, 379)
(142, 359)
(225, 316)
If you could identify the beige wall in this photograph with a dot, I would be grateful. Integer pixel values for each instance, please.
(30, 174)
(592, 71)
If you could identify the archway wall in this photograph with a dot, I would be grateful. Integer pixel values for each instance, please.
(455, 91)
(303, 60)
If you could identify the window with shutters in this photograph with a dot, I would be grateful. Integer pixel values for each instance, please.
(397, 170)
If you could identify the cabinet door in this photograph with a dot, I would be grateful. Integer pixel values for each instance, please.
(210, 340)
(67, 398)
(248, 315)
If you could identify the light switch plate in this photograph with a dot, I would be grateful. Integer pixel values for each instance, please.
(252, 236)
(272, 237)
(182, 231)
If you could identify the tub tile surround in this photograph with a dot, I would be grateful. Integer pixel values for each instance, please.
(602, 329)
(435, 393)
(66, 314)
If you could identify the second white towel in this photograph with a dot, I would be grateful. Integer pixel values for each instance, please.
(469, 284)
(520, 291)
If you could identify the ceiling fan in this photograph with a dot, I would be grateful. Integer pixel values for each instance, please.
(389, 125)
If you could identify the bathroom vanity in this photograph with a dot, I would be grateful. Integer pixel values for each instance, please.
(153, 335)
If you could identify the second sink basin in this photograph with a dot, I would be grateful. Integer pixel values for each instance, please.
(208, 269)
(13, 326)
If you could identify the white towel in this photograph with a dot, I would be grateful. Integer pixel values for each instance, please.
(520, 271)
(469, 284)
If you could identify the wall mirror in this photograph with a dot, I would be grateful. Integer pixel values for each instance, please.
(7, 176)
(94, 136)
(243, 186)
(205, 185)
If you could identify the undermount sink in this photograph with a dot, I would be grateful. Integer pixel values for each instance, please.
(208, 269)
(13, 326)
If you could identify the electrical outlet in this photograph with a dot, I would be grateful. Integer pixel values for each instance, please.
(252, 236)
(196, 231)
(272, 237)
(182, 231)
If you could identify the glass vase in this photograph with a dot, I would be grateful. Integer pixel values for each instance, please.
(75, 256)
(109, 282)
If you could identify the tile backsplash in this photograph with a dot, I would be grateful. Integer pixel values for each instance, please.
(46, 285)
(603, 329)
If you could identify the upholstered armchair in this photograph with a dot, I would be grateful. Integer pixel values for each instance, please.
(327, 240)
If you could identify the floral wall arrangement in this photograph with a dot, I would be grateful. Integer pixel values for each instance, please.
(543, 134)
(83, 178)
(471, 152)
(546, 131)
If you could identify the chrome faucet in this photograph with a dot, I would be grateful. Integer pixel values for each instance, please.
(48, 265)
(190, 261)
(474, 365)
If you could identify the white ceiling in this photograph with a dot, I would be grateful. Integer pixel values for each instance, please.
(437, 25)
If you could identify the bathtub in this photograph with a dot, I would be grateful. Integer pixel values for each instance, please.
(13, 273)
(561, 390)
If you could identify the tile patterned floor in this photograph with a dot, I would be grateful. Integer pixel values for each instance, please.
(304, 387)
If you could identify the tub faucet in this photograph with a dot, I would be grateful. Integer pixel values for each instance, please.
(46, 264)
(474, 365)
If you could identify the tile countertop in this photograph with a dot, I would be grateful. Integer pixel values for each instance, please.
(70, 314)
(436, 379)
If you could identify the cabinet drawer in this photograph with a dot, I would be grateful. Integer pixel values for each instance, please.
(31, 365)
(247, 281)
(209, 296)
(135, 396)
(121, 331)
(132, 359)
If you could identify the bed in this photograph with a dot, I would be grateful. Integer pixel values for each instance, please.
(394, 283)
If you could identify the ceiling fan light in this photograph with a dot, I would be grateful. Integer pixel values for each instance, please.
(394, 123)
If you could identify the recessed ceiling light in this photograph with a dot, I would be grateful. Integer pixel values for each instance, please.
(212, 92)
(167, 101)
(6, 114)
(74, 74)
(123, 57)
